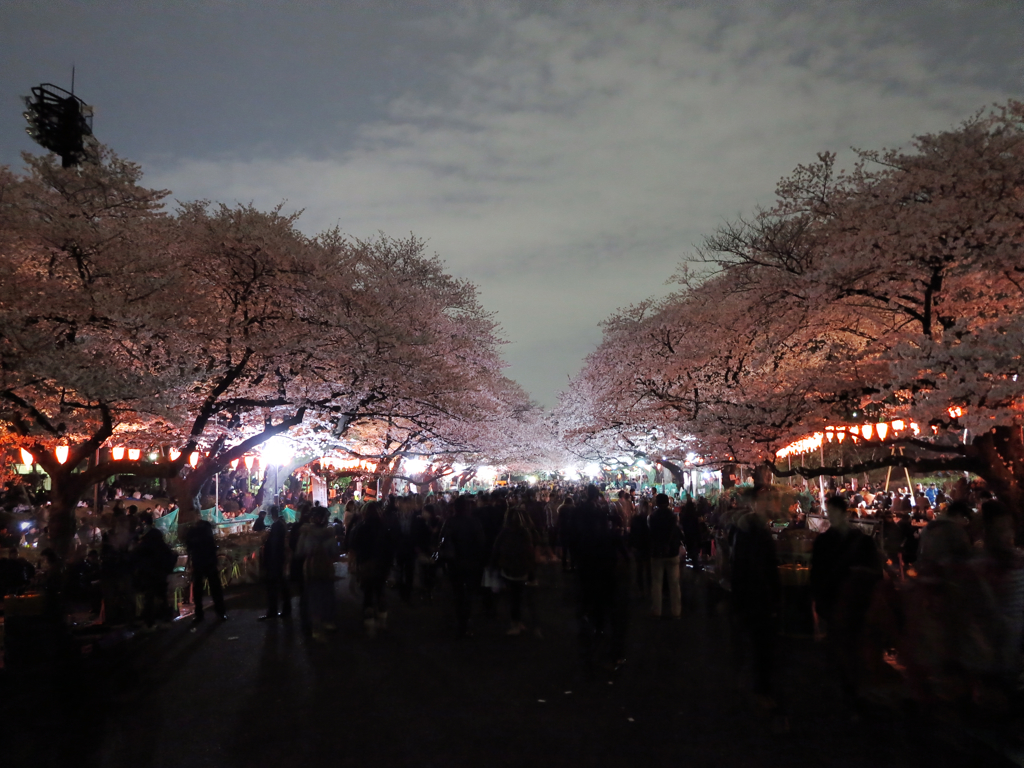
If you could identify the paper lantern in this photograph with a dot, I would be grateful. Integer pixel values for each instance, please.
(248, 462)
(883, 430)
(234, 463)
(27, 458)
(193, 459)
(62, 453)
(134, 454)
(898, 425)
(117, 453)
(955, 412)
(841, 436)
(867, 431)
(174, 453)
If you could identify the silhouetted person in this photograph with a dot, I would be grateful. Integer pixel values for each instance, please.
(755, 592)
(154, 561)
(602, 562)
(665, 540)
(463, 543)
(275, 553)
(845, 567)
(202, 553)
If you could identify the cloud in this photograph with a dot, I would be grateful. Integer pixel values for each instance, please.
(567, 159)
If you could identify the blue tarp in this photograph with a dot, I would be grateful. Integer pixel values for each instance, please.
(168, 524)
(216, 517)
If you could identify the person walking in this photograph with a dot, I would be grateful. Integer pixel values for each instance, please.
(154, 561)
(374, 553)
(273, 560)
(464, 551)
(202, 555)
(755, 594)
(640, 544)
(845, 567)
(665, 540)
(601, 558)
(515, 558)
(295, 575)
(318, 548)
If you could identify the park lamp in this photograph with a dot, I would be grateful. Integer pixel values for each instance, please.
(277, 450)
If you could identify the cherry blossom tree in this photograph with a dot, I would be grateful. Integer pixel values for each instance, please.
(893, 291)
(213, 329)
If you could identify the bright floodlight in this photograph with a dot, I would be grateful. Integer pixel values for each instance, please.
(486, 474)
(415, 466)
(571, 473)
(277, 450)
(592, 469)
(458, 469)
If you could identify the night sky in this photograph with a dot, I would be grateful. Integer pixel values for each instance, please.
(564, 156)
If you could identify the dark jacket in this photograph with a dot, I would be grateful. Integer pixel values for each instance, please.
(275, 550)
(201, 546)
(666, 535)
(154, 559)
(465, 533)
(755, 567)
(514, 552)
(840, 561)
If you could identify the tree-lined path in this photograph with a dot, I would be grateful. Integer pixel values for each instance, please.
(247, 694)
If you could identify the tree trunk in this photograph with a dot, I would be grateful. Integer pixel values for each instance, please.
(185, 491)
(61, 524)
(730, 473)
(762, 477)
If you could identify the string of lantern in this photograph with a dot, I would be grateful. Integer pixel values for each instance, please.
(857, 432)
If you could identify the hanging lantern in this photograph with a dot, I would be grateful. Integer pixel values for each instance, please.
(955, 412)
(61, 451)
(117, 453)
(174, 453)
(234, 463)
(867, 431)
(841, 436)
(193, 459)
(898, 425)
(134, 454)
(883, 430)
(829, 433)
(248, 462)
(27, 458)
(915, 429)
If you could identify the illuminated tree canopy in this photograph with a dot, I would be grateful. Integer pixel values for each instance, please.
(892, 291)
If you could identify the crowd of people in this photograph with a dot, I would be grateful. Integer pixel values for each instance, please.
(933, 591)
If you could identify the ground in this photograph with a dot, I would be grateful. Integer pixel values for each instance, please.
(245, 693)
